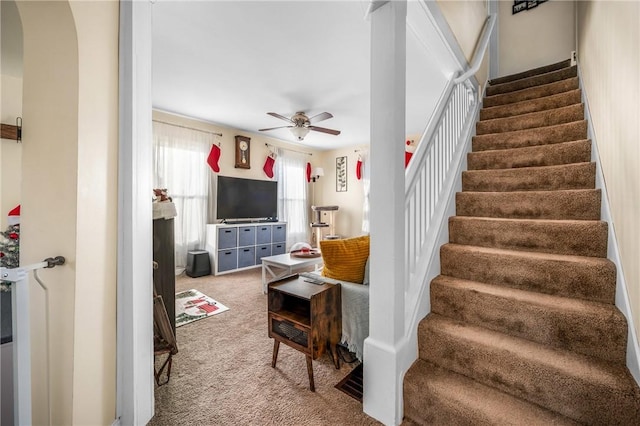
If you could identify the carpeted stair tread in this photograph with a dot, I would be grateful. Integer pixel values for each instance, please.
(523, 327)
(546, 178)
(436, 396)
(529, 73)
(588, 278)
(550, 117)
(567, 132)
(579, 387)
(541, 155)
(532, 93)
(571, 204)
(571, 237)
(590, 328)
(533, 81)
(532, 105)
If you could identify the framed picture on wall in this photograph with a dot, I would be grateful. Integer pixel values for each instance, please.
(341, 174)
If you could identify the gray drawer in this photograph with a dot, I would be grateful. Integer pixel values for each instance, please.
(246, 236)
(278, 248)
(227, 259)
(262, 251)
(279, 233)
(263, 234)
(227, 238)
(246, 256)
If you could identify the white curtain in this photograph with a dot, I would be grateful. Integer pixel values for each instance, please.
(366, 186)
(292, 194)
(179, 158)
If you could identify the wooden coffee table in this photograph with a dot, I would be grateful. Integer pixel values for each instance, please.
(275, 268)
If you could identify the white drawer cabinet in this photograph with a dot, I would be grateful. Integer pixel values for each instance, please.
(235, 247)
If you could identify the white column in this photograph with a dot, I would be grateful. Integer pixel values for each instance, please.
(382, 378)
(135, 403)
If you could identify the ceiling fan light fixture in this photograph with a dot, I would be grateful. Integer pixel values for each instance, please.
(299, 132)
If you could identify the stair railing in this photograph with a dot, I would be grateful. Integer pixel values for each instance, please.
(429, 180)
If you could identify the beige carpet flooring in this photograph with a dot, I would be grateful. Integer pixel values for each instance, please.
(222, 374)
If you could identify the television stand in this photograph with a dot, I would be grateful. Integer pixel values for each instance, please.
(238, 246)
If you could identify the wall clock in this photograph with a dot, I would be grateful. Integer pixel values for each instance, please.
(242, 152)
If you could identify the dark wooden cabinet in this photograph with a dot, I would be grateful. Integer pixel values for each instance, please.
(164, 277)
(307, 317)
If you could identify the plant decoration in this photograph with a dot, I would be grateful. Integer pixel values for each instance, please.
(9, 251)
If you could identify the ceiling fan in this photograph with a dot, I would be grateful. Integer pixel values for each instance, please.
(301, 124)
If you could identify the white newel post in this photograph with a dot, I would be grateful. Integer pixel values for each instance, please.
(382, 377)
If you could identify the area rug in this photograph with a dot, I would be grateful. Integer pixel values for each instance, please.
(192, 305)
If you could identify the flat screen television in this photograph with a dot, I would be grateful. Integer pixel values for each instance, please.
(239, 198)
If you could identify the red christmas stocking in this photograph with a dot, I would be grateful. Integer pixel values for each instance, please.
(308, 172)
(214, 156)
(268, 166)
(408, 152)
(359, 168)
(407, 158)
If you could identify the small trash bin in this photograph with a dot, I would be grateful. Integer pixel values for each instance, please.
(198, 263)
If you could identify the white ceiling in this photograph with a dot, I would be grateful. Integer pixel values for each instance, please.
(231, 62)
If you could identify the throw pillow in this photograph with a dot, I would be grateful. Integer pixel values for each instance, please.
(345, 259)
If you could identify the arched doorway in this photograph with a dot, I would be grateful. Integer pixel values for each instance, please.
(69, 184)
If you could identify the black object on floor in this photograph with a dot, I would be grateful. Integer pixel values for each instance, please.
(352, 383)
(198, 264)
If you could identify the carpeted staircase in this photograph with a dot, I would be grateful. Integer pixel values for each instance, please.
(523, 329)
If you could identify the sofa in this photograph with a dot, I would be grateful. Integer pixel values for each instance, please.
(346, 262)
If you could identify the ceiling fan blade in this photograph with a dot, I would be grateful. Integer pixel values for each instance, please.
(281, 117)
(273, 128)
(324, 130)
(320, 117)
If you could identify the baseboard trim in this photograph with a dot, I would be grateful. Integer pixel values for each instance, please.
(622, 295)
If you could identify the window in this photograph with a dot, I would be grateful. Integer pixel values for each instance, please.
(292, 194)
(179, 158)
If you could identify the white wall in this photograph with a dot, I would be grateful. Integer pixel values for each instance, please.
(608, 39)
(536, 37)
(349, 215)
(466, 20)
(97, 25)
(69, 197)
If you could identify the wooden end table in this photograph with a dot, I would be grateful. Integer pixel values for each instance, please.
(307, 317)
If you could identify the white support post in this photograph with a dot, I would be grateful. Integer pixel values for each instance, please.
(135, 385)
(382, 376)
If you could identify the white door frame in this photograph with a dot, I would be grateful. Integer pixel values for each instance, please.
(134, 389)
